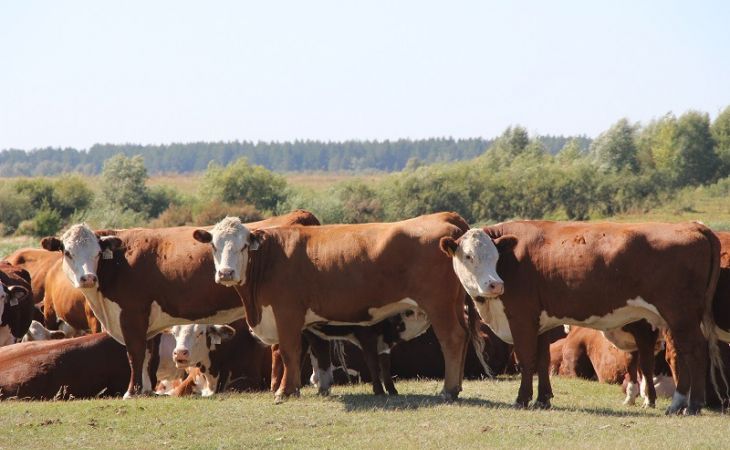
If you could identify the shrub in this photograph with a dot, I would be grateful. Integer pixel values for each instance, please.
(214, 211)
(47, 222)
(242, 182)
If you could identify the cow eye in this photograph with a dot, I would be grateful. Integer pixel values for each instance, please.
(469, 257)
(67, 254)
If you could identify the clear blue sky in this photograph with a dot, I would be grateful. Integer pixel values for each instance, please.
(73, 73)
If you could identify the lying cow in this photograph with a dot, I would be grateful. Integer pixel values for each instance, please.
(343, 274)
(82, 367)
(139, 282)
(602, 276)
(16, 303)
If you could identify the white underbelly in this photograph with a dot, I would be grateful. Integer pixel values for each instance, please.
(108, 312)
(266, 329)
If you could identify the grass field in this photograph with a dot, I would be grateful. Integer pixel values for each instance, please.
(585, 414)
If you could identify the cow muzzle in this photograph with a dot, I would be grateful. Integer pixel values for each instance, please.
(226, 276)
(494, 289)
(88, 281)
(181, 357)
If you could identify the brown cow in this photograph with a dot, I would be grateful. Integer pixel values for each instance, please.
(291, 278)
(79, 367)
(36, 261)
(16, 303)
(604, 276)
(141, 281)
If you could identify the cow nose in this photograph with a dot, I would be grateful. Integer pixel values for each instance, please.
(495, 288)
(181, 353)
(88, 280)
(225, 274)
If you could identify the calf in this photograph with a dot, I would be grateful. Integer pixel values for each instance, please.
(37, 332)
(16, 303)
(603, 276)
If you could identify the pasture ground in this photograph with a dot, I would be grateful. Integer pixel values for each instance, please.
(585, 414)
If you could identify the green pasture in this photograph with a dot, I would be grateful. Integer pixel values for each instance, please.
(585, 414)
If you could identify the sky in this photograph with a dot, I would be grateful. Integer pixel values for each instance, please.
(75, 73)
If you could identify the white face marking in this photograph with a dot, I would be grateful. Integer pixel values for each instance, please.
(81, 252)
(230, 243)
(475, 264)
(266, 330)
(37, 332)
(191, 346)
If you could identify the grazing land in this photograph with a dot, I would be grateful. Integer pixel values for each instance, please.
(585, 414)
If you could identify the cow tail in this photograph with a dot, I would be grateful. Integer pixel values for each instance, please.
(708, 321)
(475, 335)
(338, 348)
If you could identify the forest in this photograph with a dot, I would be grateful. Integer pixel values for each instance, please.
(630, 167)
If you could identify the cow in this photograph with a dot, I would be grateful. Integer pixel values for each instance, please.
(290, 278)
(16, 303)
(37, 332)
(83, 367)
(36, 261)
(602, 276)
(65, 307)
(588, 353)
(138, 282)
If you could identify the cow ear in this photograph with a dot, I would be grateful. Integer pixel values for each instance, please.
(202, 236)
(52, 244)
(448, 245)
(225, 332)
(57, 334)
(506, 243)
(110, 243)
(16, 293)
(256, 238)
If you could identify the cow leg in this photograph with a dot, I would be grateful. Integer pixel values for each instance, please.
(646, 361)
(450, 329)
(632, 387)
(526, 349)
(50, 320)
(277, 368)
(544, 389)
(153, 347)
(692, 357)
(321, 363)
(134, 329)
(94, 325)
(289, 325)
(385, 374)
(369, 344)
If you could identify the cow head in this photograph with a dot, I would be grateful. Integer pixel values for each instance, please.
(16, 308)
(193, 343)
(475, 257)
(82, 249)
(231, 241)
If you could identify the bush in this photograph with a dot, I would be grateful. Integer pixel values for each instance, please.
(47, 222)
(214, 211)
(71, 193)
(174, 216)
(242, 182)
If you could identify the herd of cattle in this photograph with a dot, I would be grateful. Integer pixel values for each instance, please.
(265, 305)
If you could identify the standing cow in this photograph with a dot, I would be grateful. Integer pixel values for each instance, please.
(291, 278)
(139, 282)
(601, 276)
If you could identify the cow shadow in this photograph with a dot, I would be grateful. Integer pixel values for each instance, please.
(369, 402)
(366, 402)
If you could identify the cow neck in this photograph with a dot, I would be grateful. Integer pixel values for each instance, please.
(255, 273)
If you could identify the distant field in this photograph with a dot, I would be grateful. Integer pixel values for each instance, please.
(585, 414)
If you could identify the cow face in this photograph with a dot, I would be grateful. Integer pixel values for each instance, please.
(193, 343)
(475, 257)
(231, 241)
(16, 309)
(82, 249)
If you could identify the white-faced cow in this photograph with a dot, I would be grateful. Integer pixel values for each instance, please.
(602, 276)
(16, 303)
(291, 278)
(139, 282)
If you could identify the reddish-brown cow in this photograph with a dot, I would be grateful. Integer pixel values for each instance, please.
(604, 276)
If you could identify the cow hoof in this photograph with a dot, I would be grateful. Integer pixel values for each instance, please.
(128, 395)
(520, 404)
(393, 392)
(279, 399)
(679, 403)
(692, 411)
(323, 392)
(630, 402)
(541, 404)
(648, 404)
(449, 396)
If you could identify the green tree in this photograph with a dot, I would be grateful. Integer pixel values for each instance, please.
(615, 149)
(721, 134)
(242, 181)
(696, 162)
(123, 183)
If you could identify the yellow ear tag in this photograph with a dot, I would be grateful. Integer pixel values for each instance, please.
(215, 339)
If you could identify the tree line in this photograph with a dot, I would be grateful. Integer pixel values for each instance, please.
(387, 156)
